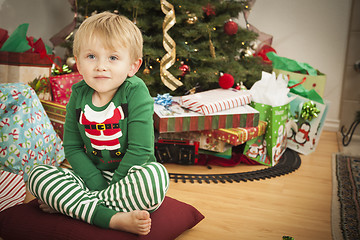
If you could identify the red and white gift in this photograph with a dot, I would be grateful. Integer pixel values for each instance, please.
(61, 86)
(215, 100)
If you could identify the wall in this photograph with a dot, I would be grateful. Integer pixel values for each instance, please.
(350, 103)
(314, 32)
(45, 18)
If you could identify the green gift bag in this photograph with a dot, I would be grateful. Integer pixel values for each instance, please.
(295, 70)
(267, 149)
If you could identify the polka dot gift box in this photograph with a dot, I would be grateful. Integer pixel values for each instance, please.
(61, 86)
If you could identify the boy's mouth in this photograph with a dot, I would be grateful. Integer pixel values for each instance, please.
(101, 77)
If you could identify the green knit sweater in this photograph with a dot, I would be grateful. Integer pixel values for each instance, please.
(114, 137)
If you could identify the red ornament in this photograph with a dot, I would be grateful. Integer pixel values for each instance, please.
(230, 28)
(226, 81)
(240, 86)
(184, 68)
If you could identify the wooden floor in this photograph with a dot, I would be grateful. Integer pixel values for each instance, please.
(297, 204)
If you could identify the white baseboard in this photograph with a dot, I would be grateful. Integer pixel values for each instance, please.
(332, 125)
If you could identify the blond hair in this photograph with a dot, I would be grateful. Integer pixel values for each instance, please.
(114, 30)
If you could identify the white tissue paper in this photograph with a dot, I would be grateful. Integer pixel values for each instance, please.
(271, 90)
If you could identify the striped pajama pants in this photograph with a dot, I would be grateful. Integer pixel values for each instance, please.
(144, 188)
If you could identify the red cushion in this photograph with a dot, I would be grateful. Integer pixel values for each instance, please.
(27, 221)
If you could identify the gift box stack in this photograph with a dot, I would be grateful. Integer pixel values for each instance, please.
(60, 84)
(28, 60)
(206, 123)
(56, 94)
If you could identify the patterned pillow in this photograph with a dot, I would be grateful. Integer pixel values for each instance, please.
(27, 137)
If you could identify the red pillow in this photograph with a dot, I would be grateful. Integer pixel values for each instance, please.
(27, 221)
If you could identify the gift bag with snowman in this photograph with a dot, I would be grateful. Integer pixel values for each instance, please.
(270, 98)
(306, 119)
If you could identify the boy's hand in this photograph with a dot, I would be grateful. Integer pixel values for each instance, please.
(43, 206)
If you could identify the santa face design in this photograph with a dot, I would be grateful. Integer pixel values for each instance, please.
(103, 128)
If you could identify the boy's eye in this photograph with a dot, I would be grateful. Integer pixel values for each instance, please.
(91, 56)
(113, 58)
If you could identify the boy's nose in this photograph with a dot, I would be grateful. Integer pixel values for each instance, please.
(101, 66)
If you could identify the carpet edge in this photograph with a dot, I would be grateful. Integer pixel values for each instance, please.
(335, 204)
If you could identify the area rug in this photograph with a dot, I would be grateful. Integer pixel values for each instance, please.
(346, 197)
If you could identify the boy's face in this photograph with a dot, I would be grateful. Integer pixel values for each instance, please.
(105, 69)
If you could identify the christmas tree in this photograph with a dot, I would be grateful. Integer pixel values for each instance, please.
(187, 44)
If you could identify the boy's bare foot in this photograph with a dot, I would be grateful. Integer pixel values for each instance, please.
(138, 222)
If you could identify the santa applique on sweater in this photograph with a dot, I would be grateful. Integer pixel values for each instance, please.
(103, 128)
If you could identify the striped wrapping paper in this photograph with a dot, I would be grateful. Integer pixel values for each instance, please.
(12, 190)
(215, 100)
(177, 119)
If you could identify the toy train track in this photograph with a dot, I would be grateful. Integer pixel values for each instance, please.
(289, 162)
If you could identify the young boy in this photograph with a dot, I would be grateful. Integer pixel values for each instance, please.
(108, 135)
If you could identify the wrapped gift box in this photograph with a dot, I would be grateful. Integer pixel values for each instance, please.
(237, 136)
(23, 67)
(215, 100)
(61, 86)
(177, 119)
(56, 113)
(219, 140)
(22, 59)
(204, 141)
(27, 138)
(212, 144)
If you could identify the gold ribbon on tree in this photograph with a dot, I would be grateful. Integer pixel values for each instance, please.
(170, 46)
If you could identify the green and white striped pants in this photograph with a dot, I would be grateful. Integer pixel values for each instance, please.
(144, 188)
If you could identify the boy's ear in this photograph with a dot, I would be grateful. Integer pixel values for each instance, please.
(78, 66)
(135, 67)
(77, 63)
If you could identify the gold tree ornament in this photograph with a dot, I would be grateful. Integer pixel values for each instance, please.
(170, 47)
(146, 71)
(211, 45)
(192, 18)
